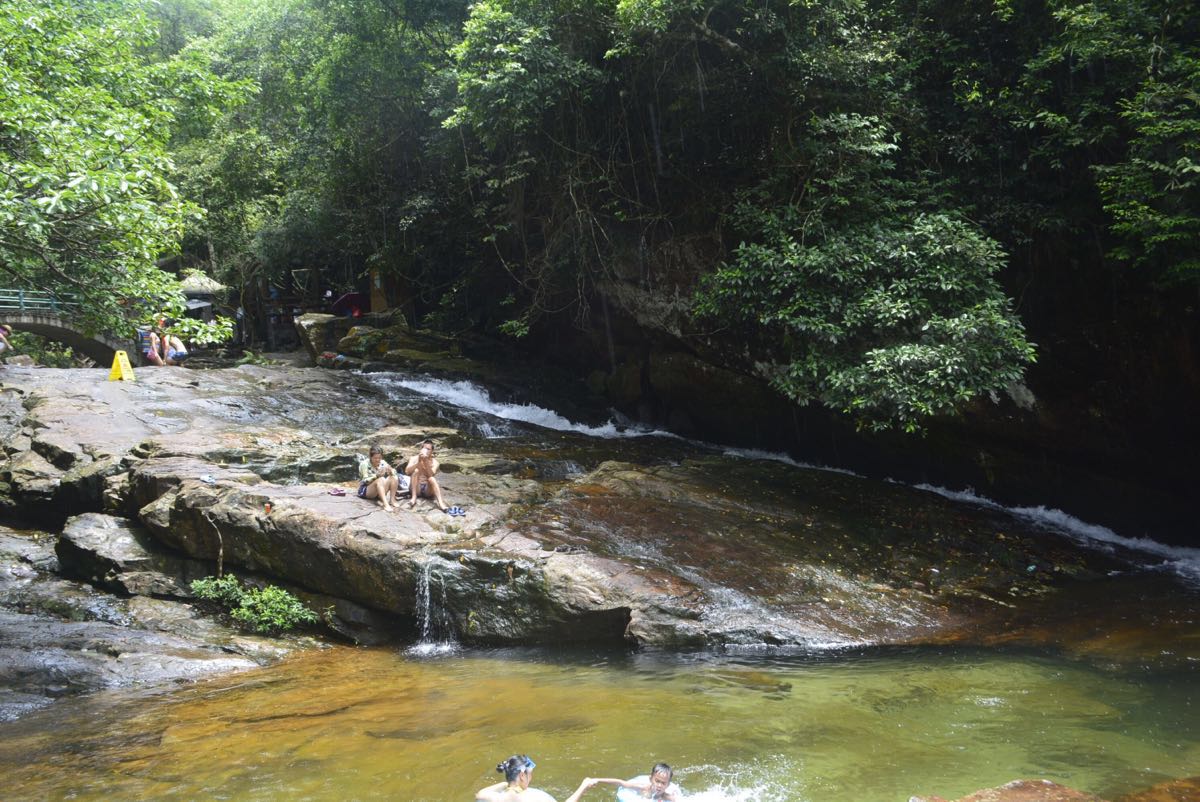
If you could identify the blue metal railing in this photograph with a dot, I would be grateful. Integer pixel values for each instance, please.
(35, 301)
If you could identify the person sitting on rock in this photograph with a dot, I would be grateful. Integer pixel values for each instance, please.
(377, 480)
(422, 470)
(5, 331)
(656, 785)
(518, 772)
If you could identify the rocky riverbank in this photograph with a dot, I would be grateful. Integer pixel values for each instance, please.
(63, 637)
(649, 542)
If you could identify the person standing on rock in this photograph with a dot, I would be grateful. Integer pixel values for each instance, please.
(518, 772)
(377, 480)
(150, 345)
(422, 470)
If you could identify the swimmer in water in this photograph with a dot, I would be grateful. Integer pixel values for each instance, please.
(518, 772)
(657, 785)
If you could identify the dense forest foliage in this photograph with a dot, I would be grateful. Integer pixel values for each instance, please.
(859, 200)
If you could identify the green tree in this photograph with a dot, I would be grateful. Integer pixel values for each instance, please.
(87, 205)
(340, 163)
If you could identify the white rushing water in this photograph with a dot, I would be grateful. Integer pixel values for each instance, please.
(468, 395)
(437, 634)
(754, 453)
(1181, 560)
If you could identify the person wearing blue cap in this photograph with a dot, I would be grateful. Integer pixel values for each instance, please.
(518, 772)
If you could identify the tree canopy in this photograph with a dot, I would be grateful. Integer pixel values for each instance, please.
(853, 195)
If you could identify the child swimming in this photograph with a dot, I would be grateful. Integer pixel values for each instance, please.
(656, 785)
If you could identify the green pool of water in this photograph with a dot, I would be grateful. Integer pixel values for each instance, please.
(343, 724)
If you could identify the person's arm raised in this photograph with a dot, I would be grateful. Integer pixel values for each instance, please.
(615, 781)
(587, 783)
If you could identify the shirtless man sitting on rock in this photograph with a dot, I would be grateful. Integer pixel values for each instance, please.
(422, 469)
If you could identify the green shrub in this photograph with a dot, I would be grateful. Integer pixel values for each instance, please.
(269, 610)
(272, 610)
(225, 590)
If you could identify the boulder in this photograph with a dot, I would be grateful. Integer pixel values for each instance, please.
(496, 586)
(364, 341)
(1185, 790)
(115, 554)
(33, 480)
(316, 332)
(320, 333)
(1021, 791)
(84, 485)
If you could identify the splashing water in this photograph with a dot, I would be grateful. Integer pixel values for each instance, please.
(468, 395)
(437, 633)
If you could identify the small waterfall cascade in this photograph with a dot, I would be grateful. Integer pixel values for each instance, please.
(433, 619)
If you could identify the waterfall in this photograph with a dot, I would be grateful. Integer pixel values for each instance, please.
(433, 619)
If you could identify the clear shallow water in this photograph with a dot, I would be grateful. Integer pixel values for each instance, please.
(378, 724)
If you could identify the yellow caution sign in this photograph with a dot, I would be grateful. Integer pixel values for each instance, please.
(121, 369)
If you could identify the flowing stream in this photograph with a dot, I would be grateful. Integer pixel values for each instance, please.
(1114, 713)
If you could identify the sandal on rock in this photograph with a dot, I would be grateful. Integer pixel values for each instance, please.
(336, 491)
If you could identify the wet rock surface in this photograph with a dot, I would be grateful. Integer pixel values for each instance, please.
(59, 637)
(117, 555)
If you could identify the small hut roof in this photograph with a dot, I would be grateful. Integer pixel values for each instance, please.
(200, 284)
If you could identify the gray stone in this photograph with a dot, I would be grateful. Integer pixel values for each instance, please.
(114, 554)
(316, 333)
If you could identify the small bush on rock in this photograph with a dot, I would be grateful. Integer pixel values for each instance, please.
(225, 591)
(270, 610)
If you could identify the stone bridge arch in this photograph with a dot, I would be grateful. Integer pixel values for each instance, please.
(62, 327)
